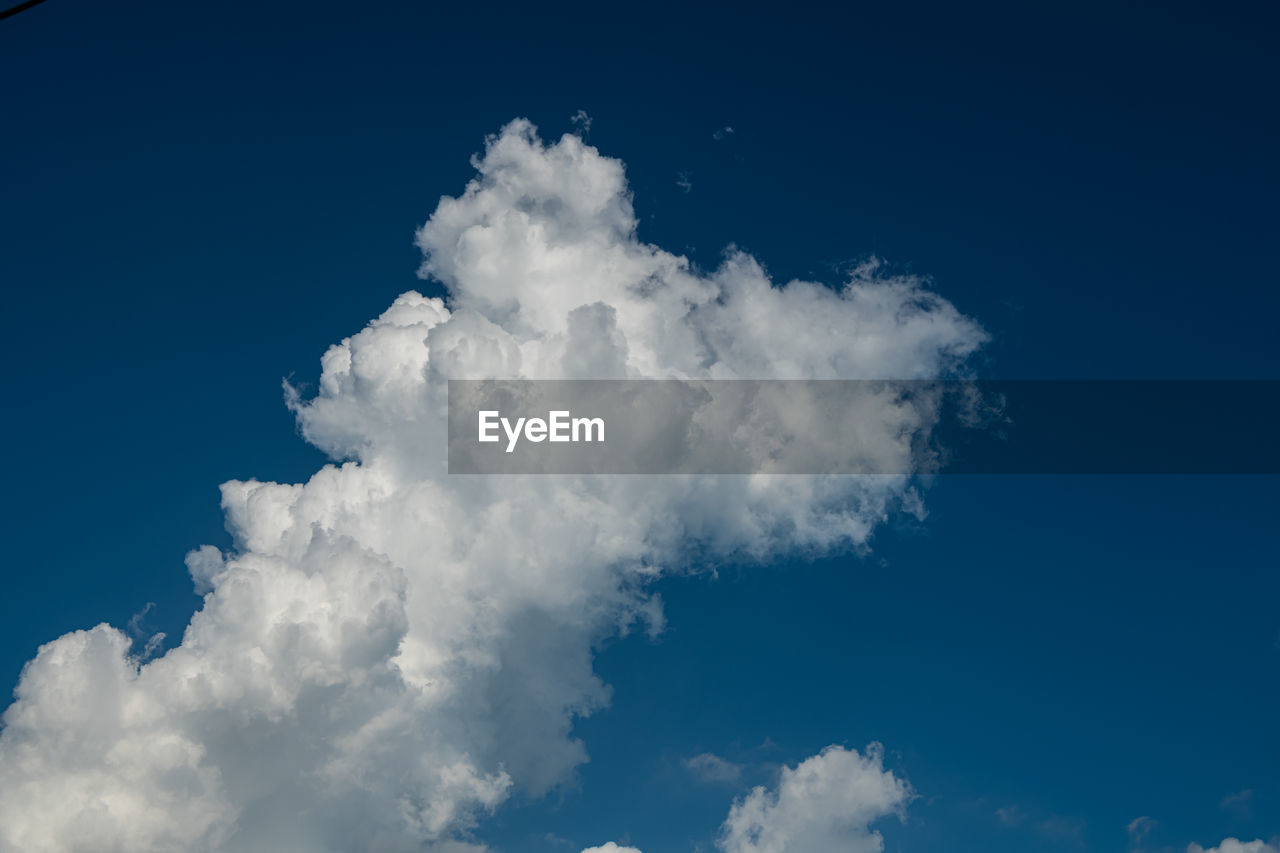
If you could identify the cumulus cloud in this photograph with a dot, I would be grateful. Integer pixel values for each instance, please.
(611, 848)
(387, 653)
(1234, 845)
(825, 803)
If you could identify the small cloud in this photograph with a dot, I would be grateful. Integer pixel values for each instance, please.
(722, 134)
(1139, 828)
(683, 181)
(712, 768)
(581, 122)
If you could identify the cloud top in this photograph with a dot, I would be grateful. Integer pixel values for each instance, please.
(825, 803)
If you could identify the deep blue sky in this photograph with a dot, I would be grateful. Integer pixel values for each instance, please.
(195, 200)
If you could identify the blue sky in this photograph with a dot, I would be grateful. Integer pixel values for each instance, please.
(199, 201)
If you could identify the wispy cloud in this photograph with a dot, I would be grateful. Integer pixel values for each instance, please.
(1051, 827)
(712, 768)
(151, 640)
(581, 122)
(1139, 828)
(1010, 816)
(1240, 803)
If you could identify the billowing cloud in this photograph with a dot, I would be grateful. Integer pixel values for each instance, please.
(611, 847)
(387, 653)
(825, 803)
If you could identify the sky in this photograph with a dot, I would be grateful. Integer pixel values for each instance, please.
(200, 202)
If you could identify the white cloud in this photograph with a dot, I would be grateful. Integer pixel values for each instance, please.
(825, 803)
(388, 652)
(611, 848)
(1233, 845)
